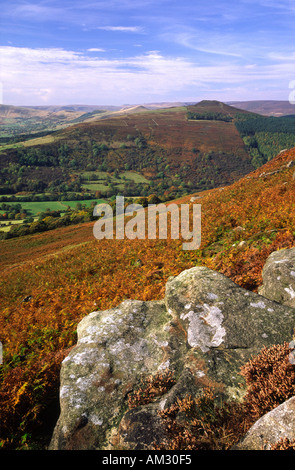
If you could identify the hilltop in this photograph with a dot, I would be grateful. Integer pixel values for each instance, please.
(207, 106)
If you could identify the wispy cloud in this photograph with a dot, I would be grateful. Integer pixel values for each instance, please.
(193, 41)
(95, 49)
(282, 56)
(123, 29)
(35, 11)
(197, 40)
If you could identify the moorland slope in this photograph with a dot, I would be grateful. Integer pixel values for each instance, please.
(50, 281)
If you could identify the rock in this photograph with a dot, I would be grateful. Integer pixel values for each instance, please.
(141, 427)
(115, 348)
(279, 277)
(225, 323)
(274, 425)
(203, 331)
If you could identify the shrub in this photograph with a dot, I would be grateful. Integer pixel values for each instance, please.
(270, 379)
(151, 388)
(200, 423)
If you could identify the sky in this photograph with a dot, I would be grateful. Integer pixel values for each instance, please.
(119, 52)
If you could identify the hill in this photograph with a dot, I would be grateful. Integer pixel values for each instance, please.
(16, 120)
(265, 107)
(66, 273)
(165, 146)
(24, 120)
(213, 106)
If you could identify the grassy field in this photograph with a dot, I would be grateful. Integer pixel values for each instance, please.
(5, 225)
(33, 208)
(48, 139)
(97, 180)
(10, 146)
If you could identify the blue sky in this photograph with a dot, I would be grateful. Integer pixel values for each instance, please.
(129, 52)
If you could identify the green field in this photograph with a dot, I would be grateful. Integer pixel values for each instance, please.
(97, 180)
(6, 224)
(33, 208)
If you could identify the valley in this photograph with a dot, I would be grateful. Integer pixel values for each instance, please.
(134, 151)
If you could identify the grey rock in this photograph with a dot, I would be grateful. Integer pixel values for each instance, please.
(204, 330)
(277, 424)
(279, 277)
(225, 323)
(114, 349)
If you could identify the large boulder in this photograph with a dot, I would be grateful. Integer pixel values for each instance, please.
(279, 277)
(204, 330)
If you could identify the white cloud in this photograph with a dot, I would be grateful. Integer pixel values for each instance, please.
(57, 76)
(34, 11)
(95, 49)
(124, 29)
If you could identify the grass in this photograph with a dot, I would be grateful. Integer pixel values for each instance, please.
(103, 175)
(33, 208)
(10, 146)
(100, 184)
(7, 224)
(47, 139)
(96, 186)
(136, 177)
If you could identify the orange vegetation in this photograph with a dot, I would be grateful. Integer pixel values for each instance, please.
(68, 274)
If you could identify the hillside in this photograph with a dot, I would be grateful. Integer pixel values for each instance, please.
(165, 146)
(265, 107)
(207, 106)
(67, 273)
(23, 120)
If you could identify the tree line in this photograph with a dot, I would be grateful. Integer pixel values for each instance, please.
(265, 137)
(209, 116)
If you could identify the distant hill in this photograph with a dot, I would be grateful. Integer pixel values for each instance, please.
(177, 149)
(16, 120)
(217, 107)
(165, 146)
(265, 107)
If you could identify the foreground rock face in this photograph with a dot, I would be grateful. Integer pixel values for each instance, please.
(203, 331)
